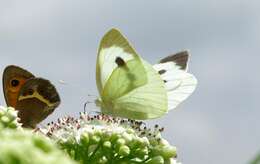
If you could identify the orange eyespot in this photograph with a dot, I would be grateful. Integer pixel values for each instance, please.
(15, 84)
(13, 89)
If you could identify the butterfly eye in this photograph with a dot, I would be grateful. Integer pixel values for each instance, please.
(15, 83)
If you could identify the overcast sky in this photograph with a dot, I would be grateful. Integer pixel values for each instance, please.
(219, 123)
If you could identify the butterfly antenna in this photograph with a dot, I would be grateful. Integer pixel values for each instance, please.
(94, 96)
(85, 105)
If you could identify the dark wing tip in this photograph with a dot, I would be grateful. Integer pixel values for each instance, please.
(16, 69)
(180, 58)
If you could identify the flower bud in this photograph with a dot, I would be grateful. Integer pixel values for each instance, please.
(124, 151)
(169, 152)
(141, 152)
(84, 138)
(120, 141)
(5, 119)
(107, 144)
(95, 139)
(156, 160)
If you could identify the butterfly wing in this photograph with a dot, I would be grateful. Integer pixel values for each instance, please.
(129, 87)
(14, 78)
(119, 68)
(145, 102)
(37, 99)
(179, 83)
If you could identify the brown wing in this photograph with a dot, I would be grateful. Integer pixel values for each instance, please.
(14, 78)
(37, 99)
(180, 58)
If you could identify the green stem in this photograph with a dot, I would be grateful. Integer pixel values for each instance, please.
(94, 152)
(85, 154)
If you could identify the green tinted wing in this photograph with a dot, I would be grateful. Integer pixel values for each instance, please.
(115, 46)
(145, 102)
(124, 79)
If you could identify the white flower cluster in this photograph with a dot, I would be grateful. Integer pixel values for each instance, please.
(101, 138)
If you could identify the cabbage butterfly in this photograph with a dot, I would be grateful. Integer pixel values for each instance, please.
(132, 88)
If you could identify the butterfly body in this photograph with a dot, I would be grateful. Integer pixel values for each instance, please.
(34, 98)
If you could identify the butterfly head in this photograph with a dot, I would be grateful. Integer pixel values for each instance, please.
(106, 107)
(98, 102)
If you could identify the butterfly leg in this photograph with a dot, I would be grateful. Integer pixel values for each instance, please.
(85, 108)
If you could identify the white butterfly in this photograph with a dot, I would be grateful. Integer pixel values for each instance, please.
(132, 88)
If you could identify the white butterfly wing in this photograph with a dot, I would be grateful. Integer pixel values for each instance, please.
(179, 84)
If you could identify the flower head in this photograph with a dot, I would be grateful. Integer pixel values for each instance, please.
(101, 138)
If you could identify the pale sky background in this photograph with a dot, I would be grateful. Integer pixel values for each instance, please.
(219, 123)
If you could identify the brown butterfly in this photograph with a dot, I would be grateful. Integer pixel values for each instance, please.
(34, 98)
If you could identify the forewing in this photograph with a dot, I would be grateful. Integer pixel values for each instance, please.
(13, 79)
(114, 45)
